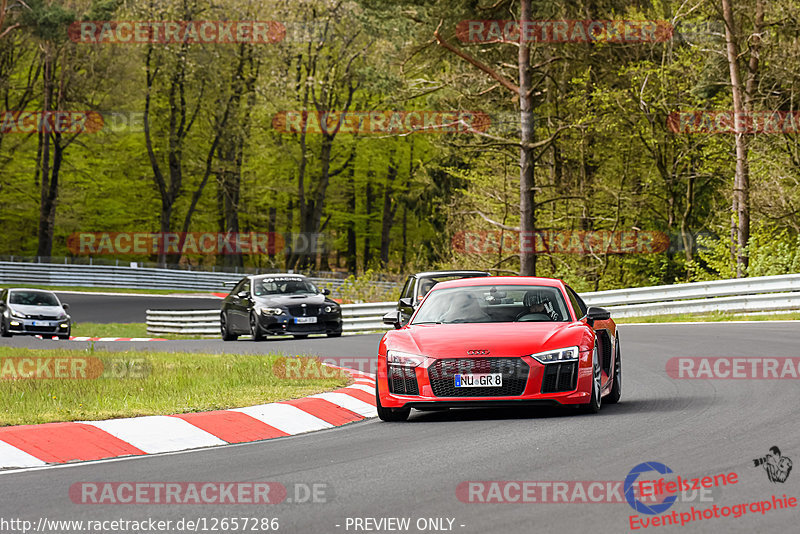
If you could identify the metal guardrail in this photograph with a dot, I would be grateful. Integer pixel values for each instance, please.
(749, 295)
(55, 274)
(355, 318)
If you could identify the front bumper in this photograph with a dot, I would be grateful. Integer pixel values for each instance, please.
(526, 381)
(329, 323)
(37, 326)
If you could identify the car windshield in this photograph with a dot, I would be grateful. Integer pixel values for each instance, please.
(33, 298)
(283, 286)
(493, 304)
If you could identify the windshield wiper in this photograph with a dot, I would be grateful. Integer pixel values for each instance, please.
(428, 322)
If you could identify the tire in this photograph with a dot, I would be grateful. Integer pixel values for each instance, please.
(3, 329)
(255, 329)
(337, 334)
(391, 415)
(223, 325)
(593, 406)
(616, 386)
(65, 336)
(300, 336)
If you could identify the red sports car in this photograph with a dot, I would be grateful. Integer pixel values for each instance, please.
(499, 341)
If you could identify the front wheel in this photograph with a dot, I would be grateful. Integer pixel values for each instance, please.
(300, 336)
(3, 329)
(65, 336)
(255, 328)
(616, 386)
(595, 401)
(337, 334)
(392, 415)
(226, 333)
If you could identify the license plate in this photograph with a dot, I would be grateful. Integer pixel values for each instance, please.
(42, 323)
(305, 320)
(481, 380)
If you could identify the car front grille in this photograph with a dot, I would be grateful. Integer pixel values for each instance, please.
(561, 376)
(311, 310)
(442, 376)
(402, 380)
(42, 317)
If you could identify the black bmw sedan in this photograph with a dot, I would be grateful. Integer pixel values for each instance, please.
(278, 304)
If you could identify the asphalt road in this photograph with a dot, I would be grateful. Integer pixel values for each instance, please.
(379, 470)
(127, 308)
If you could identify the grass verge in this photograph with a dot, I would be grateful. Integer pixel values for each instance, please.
(709, 318)
(83, 289)
(142, 383)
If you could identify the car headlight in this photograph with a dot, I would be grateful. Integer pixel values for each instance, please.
(559, 355)
(403, 359)
(16, 314)
(61, 316)
(271, 311)
(331, 308)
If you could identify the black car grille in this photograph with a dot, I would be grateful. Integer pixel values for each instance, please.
(442, 376)
(402, 380)
(42, 317)
(311, 310)
(561, 376)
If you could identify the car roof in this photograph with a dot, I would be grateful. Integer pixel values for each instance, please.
(434, 274)
(501, 280)
(276, 275)
(28, 289)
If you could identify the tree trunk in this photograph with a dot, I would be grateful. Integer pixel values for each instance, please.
(389, 210)
(527, 180)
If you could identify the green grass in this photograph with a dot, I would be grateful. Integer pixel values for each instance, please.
(110, 330)
(172, 383)
(709, 318)
(123, 330)
(222, 289)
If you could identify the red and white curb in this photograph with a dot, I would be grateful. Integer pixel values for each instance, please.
(108, 338)
(59, 443)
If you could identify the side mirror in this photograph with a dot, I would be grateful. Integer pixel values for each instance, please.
(407, 302)
(326, 291)
(392, 319)
(65, 306)
(597, 314)
(243, 294)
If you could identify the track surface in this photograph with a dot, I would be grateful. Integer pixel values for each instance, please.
(124, 308)
(374, 469)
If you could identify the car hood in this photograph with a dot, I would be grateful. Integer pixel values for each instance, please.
(291, 300)
(36, 310)
(500, 339)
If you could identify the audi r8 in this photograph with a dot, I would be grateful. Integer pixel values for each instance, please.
(499, 341)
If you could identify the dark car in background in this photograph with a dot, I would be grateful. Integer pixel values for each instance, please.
(33, 312)
(278, 304)
(417, 286)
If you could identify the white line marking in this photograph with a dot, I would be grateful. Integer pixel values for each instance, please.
(285, 417)
(11, 456)
(157, 433)
(351, 403)
(362, 387)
